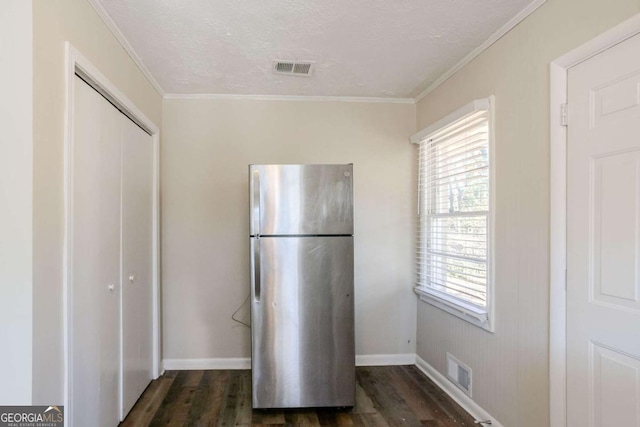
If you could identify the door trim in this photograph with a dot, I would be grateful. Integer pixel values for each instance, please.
(76, 63)
(558, 212)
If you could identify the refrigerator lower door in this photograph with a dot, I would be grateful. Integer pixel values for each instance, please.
(303, 352)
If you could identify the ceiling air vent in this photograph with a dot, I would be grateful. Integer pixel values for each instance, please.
(293, 68)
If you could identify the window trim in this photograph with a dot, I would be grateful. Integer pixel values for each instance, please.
(484, 319)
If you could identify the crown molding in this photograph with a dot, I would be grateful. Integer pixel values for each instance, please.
(109, 22)
(363, 99)
(532, 7)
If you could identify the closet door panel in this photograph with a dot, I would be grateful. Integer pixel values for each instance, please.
(95, 284)
(110, 208)
(137, 203)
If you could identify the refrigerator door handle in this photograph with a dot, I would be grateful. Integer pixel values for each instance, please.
(256, 270)
(255, 204)
(255, 212)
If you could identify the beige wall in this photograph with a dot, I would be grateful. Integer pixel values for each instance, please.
(54, 22)
(207, 146)
(510, 367)
(16, 190)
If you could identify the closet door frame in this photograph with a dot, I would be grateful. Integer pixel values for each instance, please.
(78, 64)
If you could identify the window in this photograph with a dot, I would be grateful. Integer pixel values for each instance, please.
(454, 265)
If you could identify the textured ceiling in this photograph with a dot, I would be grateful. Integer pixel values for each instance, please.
(374, 48)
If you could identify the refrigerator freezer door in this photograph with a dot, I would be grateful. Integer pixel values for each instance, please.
(303, 351)
(301, 199)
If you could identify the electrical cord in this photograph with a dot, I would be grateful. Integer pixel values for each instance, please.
(233, 316)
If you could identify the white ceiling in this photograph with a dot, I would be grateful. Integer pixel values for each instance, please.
(372, 48)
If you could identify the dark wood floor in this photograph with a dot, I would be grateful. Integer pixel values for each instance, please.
(385, 396)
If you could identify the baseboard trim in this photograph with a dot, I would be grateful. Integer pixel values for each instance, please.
(385, 359)
(245, 362)
(455, 393)
(203, 364)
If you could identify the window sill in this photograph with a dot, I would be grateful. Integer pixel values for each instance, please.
(466, 312)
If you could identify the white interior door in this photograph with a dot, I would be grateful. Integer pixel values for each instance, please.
(137, 211)
(603, 239)
(96, 260)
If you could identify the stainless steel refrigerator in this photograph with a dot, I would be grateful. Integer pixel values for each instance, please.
(302, 324)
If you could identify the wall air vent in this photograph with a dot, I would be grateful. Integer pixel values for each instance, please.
(459, 374)
(293, 68)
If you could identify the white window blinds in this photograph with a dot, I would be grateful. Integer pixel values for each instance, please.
(454, 203)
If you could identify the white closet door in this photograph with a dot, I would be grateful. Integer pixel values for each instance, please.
(95, 286)
(137, 202)
(603, 239)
